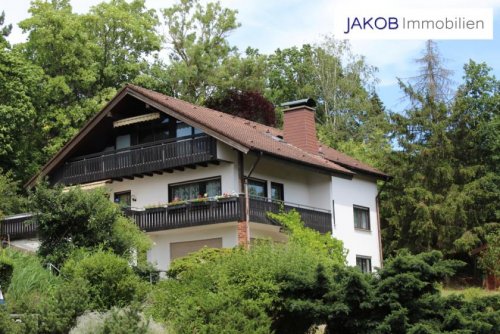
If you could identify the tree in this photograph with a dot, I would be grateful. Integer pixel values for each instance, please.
(445, 193)
(78, 219)
(290, 75)
(197, 39)
(122, 35)
(249, 105)
(20, 97)
(433, 80)
(86, 58)
(4, 30)
(422, 168)
(10, 200)
(342, 84)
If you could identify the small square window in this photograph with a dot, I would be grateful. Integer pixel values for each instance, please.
(361, 218)
(123, 198)
(364, 263)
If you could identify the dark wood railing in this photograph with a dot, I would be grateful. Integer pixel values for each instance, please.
(194, 214)
(317, 219)
(137, 160)
(190, 214)
(18, 227)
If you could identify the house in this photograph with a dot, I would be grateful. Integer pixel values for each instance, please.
(183, 170)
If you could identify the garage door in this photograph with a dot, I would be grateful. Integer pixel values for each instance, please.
(180, 249)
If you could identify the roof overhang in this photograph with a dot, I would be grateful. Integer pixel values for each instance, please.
(71, 145)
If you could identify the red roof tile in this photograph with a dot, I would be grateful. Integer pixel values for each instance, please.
(246, 133)
(349, 162)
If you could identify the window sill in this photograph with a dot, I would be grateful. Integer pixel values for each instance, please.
(362, 229)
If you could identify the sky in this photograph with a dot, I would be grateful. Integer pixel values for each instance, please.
(271, 24)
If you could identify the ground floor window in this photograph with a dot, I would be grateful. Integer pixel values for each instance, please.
(195, 189)
(364, 263)
(123, 198)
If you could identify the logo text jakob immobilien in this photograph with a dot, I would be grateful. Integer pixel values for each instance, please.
(439, 23)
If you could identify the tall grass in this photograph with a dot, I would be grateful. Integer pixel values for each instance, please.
(31, 282)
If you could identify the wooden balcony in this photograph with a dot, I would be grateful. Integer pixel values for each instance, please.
(137, 160)
(18, 227)
(195, 214)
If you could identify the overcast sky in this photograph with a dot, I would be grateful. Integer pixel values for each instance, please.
(271, 24)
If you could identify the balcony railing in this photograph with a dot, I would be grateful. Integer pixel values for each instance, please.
(137, 160)
(195, 214)
(17, 227)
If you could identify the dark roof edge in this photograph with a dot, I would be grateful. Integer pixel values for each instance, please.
(76, 138)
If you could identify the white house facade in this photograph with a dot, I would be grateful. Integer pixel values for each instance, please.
(193, 177)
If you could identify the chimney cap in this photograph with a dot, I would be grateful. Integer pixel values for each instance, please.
(308, 102)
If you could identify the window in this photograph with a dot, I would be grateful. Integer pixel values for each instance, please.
(183, 130)
(257, 188)
(123, 198)
(364, 263)
(333, 212)
(195, 189)
(277, 191)
(122, 141)
(361, 218)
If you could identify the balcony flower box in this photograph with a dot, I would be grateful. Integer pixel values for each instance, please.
(176, 205)
(227, 197)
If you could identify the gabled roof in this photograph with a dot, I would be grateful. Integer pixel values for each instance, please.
(349, 162)
(241, 134)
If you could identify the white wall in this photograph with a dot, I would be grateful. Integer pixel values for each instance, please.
(160, 252)
(346, 193)
(300, 185)
(151, 190)
(265, 231)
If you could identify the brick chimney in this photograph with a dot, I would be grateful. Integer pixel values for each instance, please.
(299, 126)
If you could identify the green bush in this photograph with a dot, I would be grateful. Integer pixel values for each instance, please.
(196, 259)
(330, 248)
(233, 292)
(110, 279)
(8, 325)
(58, 313)
(6, 271)
(82, 219)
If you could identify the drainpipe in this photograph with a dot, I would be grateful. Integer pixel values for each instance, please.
(247, 196)
(377, 204)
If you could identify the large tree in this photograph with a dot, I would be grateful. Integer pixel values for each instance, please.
(198, 45)
(445, 188)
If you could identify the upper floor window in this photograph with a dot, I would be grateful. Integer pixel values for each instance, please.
(361, 218)
(195, 189)
(257, 188)
(277, 192)
(364, 263)
(123, 141)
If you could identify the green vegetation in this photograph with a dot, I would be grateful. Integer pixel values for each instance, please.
(82, 219)
(442, 152)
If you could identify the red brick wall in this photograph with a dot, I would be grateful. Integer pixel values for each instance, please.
(243, 231)
(299, 128)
